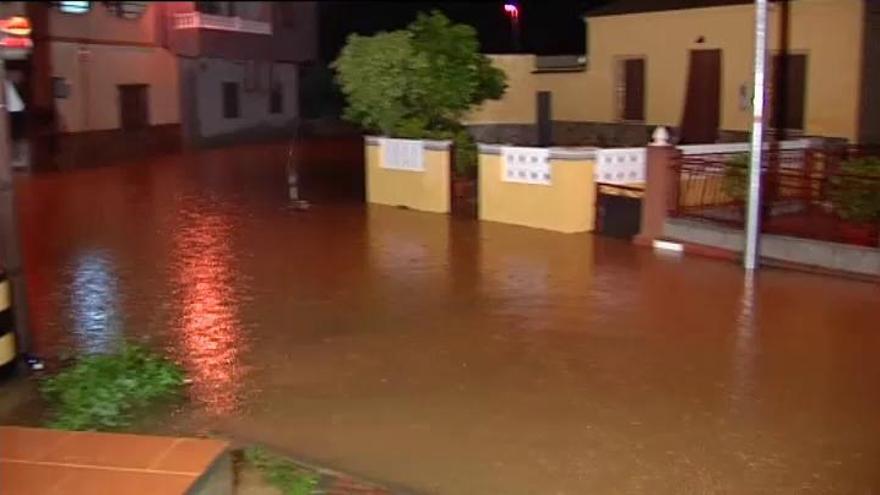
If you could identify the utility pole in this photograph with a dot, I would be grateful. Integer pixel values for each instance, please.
(753, 220)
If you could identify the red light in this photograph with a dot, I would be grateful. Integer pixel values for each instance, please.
(10, 42)
(511, 9)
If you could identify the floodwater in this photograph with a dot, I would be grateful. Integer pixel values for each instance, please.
(451, 356)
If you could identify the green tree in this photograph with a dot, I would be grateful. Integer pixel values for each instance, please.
(418, 82)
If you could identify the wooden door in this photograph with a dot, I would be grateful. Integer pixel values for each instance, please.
(133, 106)
(634, 90)
(702, 107)
(788, 92)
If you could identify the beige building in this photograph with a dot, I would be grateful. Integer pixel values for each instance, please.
(676, 64)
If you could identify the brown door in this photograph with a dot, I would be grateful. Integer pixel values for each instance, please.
(702, 106)
(133, 106)
(788, 92)
(634, 89)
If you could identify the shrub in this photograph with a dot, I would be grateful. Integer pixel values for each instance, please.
(735, 183)
(855, 191)
(100, 392)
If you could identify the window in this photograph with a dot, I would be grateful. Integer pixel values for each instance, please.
(631, 89)
(276, 99)
(73, 7)
(133, 106)
(216, 8)
(230, 100)
(126, 10)
(788, 91)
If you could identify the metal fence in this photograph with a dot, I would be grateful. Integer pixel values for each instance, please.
(807, 193)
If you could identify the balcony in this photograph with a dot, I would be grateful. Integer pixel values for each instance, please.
(198, 20)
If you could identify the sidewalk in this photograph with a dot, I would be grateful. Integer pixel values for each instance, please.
(48, 462)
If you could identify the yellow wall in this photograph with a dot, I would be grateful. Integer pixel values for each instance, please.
(518, 103)
(426, 191)
(567, 205)
(829, 32)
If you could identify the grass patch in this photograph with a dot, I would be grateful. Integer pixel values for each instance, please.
(101, 391)
(281, 473)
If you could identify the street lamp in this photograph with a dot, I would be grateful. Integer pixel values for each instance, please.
(511, 10)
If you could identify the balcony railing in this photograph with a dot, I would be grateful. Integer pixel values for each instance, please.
(198, 20)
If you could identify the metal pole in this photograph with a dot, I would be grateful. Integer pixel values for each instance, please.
(10, 256)
(517, 41)
(753, 220)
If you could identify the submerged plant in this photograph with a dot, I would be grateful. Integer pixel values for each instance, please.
(855, 191)
(102, 391)
(281, 473)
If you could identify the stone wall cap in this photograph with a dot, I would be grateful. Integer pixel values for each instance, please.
(556, 152)
(428, 144)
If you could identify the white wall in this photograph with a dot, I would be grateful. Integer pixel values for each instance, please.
(253, 105)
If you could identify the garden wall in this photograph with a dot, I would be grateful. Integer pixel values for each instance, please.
(409, 173)
(544, 188)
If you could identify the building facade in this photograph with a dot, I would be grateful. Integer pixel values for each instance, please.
(688, 66)
(116, 80)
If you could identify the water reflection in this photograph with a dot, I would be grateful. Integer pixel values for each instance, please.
(94, 302)
(209, 326)
(745, 348)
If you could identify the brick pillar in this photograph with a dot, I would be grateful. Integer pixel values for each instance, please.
(661, 187)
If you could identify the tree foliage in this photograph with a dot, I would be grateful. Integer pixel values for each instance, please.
(418, 82)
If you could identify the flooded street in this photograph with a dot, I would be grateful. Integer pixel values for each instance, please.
(449, 356)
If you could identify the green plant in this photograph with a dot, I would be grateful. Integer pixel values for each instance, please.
(101, 391)
(419, 82)
(855, 191)
(735, 183)
(281, 473)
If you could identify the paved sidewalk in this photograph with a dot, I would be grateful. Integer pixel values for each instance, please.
(49, 462)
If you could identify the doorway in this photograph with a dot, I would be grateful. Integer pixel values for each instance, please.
(702, 106)
(545, 119)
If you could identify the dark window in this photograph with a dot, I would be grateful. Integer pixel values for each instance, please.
(633, 89)
(230, 100)
(126, 10)
(276, 99)
(789, 91)
(133, 106)
(216, 8)
(287, 14)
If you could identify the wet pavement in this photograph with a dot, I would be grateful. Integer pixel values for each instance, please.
(449, 356)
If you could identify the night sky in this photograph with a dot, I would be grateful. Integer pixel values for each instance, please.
(548, 26)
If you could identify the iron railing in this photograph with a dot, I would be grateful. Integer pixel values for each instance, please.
(802, 193)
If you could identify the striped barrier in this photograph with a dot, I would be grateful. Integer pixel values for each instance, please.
(7, 335)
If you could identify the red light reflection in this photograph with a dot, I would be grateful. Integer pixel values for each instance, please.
(209, 324)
